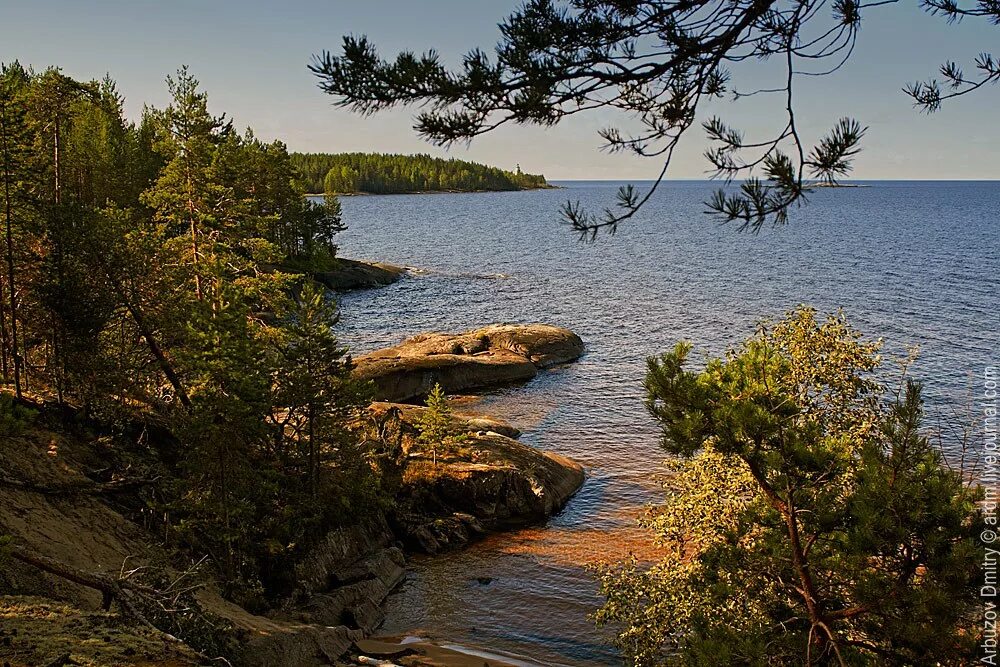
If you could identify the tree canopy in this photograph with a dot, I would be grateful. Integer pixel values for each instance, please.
(142, 279)
(382, 173)
(809, 520)
(656, 61)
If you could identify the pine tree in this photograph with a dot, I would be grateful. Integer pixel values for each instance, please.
(140, 276)
(14, 152)
(658, 63)
(437, 425)
(186, 196)
(807, 521)
(313, 383)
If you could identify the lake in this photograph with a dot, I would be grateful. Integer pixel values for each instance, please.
(913, 262)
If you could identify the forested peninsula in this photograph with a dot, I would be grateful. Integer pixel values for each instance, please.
(385, 173)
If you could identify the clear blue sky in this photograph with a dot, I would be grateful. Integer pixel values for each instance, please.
(251, 57)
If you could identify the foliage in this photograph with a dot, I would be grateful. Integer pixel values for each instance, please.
(807, 521)
(659, 62)
(14, 417)
(436, 425)
(139, 276)
(380, 173)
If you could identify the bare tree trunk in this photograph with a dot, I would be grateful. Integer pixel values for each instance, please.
(110, 590)
(194, 236)
(800, 563)
(139, 318)
(122, 591)
(11, 286)
(57, 348)
(4, 336)
(312, 450)
(147, 333)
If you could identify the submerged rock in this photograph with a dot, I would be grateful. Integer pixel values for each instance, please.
(492, 356)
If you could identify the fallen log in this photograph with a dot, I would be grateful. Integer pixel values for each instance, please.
(127, 594)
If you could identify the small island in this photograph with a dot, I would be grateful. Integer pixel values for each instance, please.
(385, 173)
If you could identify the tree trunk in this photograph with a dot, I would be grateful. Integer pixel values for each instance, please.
(112, 590)
(194, 234)
(800, 563)
(144, 329)
(312, 449)
(8, 222)
(4, 337)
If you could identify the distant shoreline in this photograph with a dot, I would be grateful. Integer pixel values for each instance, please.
(428, 192)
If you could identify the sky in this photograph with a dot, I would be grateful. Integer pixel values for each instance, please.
(252, 58)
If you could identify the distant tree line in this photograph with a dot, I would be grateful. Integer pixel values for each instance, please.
(384, 173)
(141, 274)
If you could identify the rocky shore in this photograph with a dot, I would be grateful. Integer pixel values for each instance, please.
(338, 587)
(351, 274)
(491, 482)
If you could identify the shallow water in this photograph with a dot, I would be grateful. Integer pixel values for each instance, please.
(913, 262)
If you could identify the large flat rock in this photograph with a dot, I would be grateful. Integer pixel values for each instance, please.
(492, 356)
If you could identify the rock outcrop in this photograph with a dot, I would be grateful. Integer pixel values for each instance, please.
(334, 593)
(502, 483)
(345, 578)
(488, 357)
(354, 274)
(339, 585)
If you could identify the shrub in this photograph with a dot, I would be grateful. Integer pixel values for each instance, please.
(14, 417)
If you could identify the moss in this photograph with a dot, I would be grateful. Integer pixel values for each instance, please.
(34, 631)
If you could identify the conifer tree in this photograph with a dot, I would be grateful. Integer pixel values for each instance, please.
(141, 276)
(657, 63)
(14, 152)
(186, 195)
(808, 520)
(313, 383)
(437, 424)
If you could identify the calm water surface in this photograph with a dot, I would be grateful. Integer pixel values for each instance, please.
(915, 263)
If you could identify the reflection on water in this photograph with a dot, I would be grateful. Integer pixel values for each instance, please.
(912, 262)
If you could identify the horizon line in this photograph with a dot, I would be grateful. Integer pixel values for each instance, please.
(844, 180)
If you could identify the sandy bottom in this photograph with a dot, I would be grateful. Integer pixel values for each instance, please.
(412, 651)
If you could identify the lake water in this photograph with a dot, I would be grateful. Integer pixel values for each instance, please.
(913, 262)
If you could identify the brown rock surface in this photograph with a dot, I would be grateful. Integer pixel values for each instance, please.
(492, 356)
(494, 482)
(355, 568)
